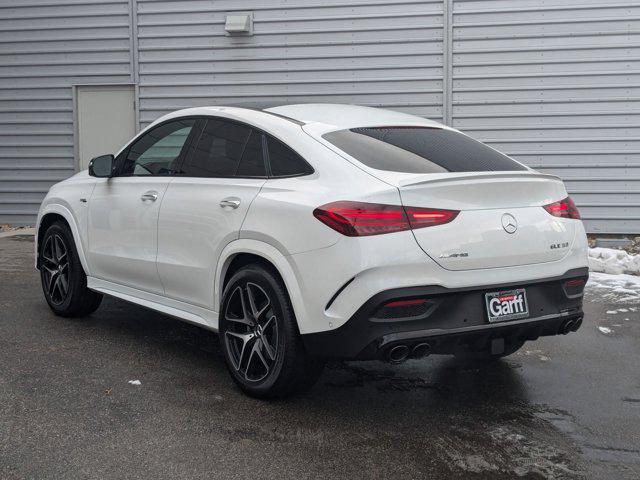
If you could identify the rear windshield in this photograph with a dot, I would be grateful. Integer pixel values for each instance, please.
(419, 150)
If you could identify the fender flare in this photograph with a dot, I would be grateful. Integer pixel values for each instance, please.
(272, 255)
(65, 213)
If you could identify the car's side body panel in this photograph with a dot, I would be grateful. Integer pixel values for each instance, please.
(182, 310)
(69, 199)
(281, 213)
(282, 263)
(193, 229)
(122, 231)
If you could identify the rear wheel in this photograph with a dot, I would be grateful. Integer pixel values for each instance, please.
(260, 339)
(64, 282)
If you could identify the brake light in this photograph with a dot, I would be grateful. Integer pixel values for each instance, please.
(358, 219)
(426, 217)
(564, 208)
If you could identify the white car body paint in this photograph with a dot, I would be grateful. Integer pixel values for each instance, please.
(172, 255)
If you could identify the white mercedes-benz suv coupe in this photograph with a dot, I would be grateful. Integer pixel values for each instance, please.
(304, 233)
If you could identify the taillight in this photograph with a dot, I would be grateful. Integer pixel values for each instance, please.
(564, 208)
(426, 217)
(359, 219)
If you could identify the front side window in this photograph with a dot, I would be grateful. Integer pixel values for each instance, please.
(226, 149)
(419, 150)
(158, 151)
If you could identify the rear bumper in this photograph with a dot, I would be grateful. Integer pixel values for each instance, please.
(457, 319)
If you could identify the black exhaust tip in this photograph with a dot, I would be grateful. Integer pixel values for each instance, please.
(576, 324)
(398, 353)
(566, 327)
(421, 350)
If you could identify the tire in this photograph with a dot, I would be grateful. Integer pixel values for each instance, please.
(64, 282)
(486, 355)
(266, 357)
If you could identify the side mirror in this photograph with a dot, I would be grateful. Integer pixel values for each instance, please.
(102, 166)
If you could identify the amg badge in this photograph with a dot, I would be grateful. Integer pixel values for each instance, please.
(507, 305)
(454, 255)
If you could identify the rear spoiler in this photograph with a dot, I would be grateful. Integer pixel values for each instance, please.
(431, 178)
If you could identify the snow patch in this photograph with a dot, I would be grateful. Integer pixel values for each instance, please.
(135, 382)
(612, 261)
(618, 289)
(605, 330)
(619, 310)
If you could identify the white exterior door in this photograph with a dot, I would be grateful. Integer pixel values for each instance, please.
(105, 120)
(123, 211)
(193, 229)
(204, 208)
(123, 231)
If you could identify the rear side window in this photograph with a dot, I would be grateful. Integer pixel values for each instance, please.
(226, 149)
(218, 151)
(419, 150)
(284, 162)
(252, 161)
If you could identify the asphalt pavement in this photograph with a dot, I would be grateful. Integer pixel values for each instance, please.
(71, 406)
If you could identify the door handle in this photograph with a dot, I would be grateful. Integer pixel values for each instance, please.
(150, 196)
(230, 202)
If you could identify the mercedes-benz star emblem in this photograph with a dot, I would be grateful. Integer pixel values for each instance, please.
(509, 223)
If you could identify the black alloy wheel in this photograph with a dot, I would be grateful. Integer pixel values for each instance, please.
(64, 282)
(252, 334)
(55, 269)
(259, 336)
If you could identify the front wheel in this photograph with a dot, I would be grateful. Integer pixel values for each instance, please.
(260, 339)
(64, 282)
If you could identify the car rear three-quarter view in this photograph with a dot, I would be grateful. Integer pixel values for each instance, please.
(476, 255)
(334, 232)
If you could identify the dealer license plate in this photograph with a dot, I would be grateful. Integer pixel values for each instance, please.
(506, 305)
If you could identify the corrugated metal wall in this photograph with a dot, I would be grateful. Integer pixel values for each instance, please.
(555, 83)
(373, 52)
(45, 47)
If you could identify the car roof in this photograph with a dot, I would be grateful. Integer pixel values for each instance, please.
(332, 116)
(343, 116)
